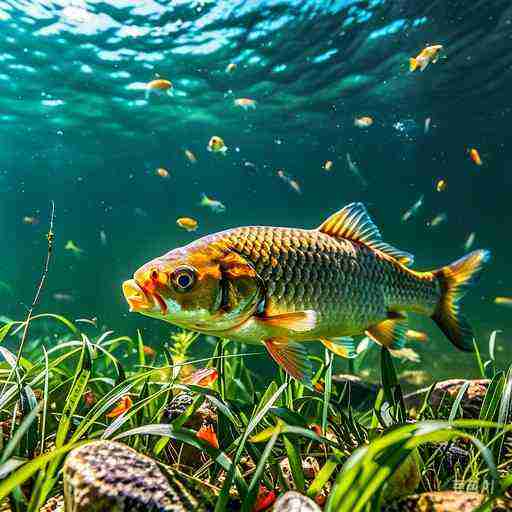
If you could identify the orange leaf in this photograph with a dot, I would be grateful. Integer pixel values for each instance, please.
(208, 435)
(124, 405)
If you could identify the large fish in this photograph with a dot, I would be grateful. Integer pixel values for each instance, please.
(285, 286)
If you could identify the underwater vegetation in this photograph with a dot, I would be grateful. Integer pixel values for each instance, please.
(94, 421)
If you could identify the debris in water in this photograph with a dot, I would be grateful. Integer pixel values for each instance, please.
(413, 210)
(437, 220)
(427, 125)
(292, 183)
(103, 237)
(32, 221)
(63, 297)
(190, 156)
(470, 241)
(71, 246)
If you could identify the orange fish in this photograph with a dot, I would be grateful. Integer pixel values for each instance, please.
(264, 500)
(428, 55)
(416, 335)
(475, 156)
(163, 173)
(363, 122)
(231, 67)
(187, 223)
(216, 145)
(245, 103)
(124, 405)
(158, 85)
(207, 434)
(148, 351)
(202, 377)
(286, 288)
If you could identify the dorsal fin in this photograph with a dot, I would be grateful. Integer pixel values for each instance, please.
(354, 223)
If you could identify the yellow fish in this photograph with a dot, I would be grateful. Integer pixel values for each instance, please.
(428, 55)
(281, 287)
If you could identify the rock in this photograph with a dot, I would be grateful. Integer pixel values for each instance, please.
(55, 504)
(405, 479)
(362, 394)
(445, 392)
(293, 501)
(103, 476)
(443, 501)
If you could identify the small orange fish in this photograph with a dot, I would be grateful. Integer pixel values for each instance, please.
(319, 386)
(89, 398)
(475, 156)
(124, 405)
(208, 435)
(428, 55)
(503, 301)
(32, 221)
(163, 173)
(416, 335)
(264, 500)
(317, 429)
(363, 122)
(245, 103)
(159, 84)
(328, 165)
(202, 377)
(190, 156)
(148, 351)
(187, 223)
(441, 185)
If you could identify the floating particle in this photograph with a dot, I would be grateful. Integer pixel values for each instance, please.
(187, 223)
(103, 237)
(231, 67)
(427, 125)
(428, 55)
(354, 169)
(31, 221)
(413, 210)
(292, 183)
(363, 122)
(469, 241)
(190, 156)
(437, 220)
(71, 246)
(63, 297)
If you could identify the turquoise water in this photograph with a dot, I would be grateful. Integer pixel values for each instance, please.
(76, 127)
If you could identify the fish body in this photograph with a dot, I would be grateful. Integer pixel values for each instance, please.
(285, 286)
(212, 204)
(71, 246)
(216, 145)
(475, 156)
(187, 223)
(159, 85)
(245, 103)
(363, 122)
(428, 55)
(470, 240)
(413, 210)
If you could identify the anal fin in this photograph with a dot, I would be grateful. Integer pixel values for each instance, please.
(298, 321)
(390, 333)
(292, 357)
(343, 347)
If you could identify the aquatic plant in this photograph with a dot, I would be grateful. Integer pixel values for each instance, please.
(363, 458)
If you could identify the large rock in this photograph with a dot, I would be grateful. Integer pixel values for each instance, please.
(292, 501)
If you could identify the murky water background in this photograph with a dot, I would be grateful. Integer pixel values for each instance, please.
(75, 127)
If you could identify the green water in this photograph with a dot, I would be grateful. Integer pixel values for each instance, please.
(76, 128)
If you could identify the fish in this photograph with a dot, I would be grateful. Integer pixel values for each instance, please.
(437, 220)
(475, 156)
(441, 185)
(426, 129)
(190, 156)
(363, 122)
(292, 183)
(63, 297)
(283, 287)
(202, 377)
(413, 210)
(216, 145)
(428, 55)
(207, 434)
(71, 246)
(213, 204)
(163, 173)
(245, 103)
(187, 223)
(148, 351)
(159, 85)
(354, 169)
(503, 301)
(328, 165)
(231, 67)
(123, 406)
(469, 241)
(32, 221)
(416, 335)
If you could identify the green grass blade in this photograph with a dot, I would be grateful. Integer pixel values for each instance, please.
(322, 477)
(456, 403)
(294, 459)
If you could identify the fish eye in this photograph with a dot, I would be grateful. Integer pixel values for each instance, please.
(183, 278)
(154, 275)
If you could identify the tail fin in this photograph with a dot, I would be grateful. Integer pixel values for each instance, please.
(455, 280)
(413, 64)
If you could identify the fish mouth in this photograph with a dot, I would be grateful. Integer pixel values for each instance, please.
(140, 300)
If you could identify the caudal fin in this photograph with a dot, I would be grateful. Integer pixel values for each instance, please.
(455, 280)
(413, 64)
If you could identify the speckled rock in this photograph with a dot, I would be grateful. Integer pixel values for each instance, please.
(106, 476)
(55, 504)
(310, 468)
(292, 501)
(444, 501)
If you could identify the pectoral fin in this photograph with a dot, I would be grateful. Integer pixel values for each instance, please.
(299, 321)
(343, 347)
(390, 333)
(292, 357)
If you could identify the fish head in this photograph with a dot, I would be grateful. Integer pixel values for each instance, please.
(203, 286)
